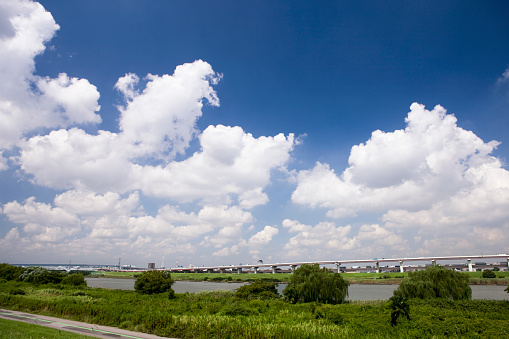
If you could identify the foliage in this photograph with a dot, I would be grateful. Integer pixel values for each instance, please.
(489, 274)
(9, 272)
(331, 313)
(153, 282)
(74, 279)
(40, 275)
(310, 283)
(17, 291)
(220, 314)
(258, 290)
(399, 306)
(435, 282)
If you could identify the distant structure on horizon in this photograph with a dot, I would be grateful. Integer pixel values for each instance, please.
(151, 266)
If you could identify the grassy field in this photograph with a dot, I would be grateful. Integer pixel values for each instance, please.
(221, 315)
(15, 329)
(352, 278)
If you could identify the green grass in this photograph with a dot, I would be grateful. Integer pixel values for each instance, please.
(220, 314)
(16, 329)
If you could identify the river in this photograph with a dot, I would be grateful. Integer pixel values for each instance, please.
(355, 291)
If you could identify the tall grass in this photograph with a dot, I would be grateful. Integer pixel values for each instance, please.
(220, 314)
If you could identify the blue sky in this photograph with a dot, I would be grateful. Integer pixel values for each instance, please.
(227, 132)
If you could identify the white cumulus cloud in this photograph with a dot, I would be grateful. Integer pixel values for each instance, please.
(431, 159)
(29, 102)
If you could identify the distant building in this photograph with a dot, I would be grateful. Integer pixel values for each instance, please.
(151, 265)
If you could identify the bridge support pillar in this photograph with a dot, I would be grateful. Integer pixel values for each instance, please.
(222, 270)
(433, 262)
(377, 267)
(239, 270)
(401, 268)
(293, 267)
(508, 263)
(470, 267)
(274, 269)
(210, 270)
(338, 265)
(255, 269)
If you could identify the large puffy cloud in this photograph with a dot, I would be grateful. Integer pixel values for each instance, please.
(75, 159)
(432, 159)
(243, 169)
(431, 184)
(27, 101)
(110, 225)
(43, 222)
(326, 240)
(181, 226)
(161, 120)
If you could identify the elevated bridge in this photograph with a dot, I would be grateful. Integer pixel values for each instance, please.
(376, 263)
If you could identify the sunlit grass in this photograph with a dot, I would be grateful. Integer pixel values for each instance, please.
(16, 329)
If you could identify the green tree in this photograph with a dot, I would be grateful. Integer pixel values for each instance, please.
(40, 275)
(258, 290)
(152, 282)
(9, 272)
(310, 283)
(488, 274)
(435, 282)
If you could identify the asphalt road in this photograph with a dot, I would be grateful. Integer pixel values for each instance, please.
(92, 330)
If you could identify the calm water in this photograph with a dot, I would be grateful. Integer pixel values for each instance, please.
(356, 292)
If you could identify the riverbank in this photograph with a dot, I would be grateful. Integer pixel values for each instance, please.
(220, 314)
(393, 278)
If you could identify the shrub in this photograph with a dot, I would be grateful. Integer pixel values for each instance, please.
(488, 274)
(435, 282)
(258, 290)
(399, 307)
(9, 272)
(310, 283)
(328, 312)
(237, 309)
(39, 275)
(152, 282)
(17, 291)
(74, 279)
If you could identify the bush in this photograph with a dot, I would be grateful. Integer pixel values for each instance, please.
(399, 307)
(39, 275)
(328, 312)
(435, 282)
(9, 272)
(17, 291)
(74, 279)
(310, 283)
(489, 274)
(258, 290)
(152, 282)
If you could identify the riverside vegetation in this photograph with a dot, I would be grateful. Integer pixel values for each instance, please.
(475, 278)
(253, 312)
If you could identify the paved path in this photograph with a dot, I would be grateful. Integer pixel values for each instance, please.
(92, 330)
